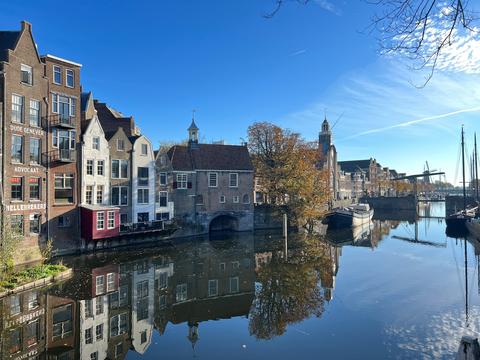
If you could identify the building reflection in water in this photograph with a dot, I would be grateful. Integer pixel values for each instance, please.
(115, 301)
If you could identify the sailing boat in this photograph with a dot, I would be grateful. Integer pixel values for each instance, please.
(457, 222)
(473, 225)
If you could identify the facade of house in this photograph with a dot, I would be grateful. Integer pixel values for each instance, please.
(23, 102)
(63, 124)
(164, 207)
(143, 180)
(210, 185)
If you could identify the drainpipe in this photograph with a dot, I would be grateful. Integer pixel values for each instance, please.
(47, 192)
(3, 122)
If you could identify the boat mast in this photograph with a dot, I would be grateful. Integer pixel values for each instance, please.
(463, 174)
(476, 166)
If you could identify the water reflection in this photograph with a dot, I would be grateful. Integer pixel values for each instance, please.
(117, 303)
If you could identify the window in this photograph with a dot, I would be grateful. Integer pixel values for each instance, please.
(212, 179)
(111, 220)
(100, 220)
(182, 181)
(143, 217)
(99, 305)
(120, 169)
(142, 176)
(34, 151)
(33, 301)
(64, 105)
(99, 281)
(235, 265)
(233, 180)
(118, 325)
(212, 287)
(163, 280)
(63, 221)
(234, 284)
(123, 218)
(35, 113)
(99, 332)
(64, 138)
(27, 74)
(64, 188)
(199, 200)
(162, 301)
(222, 267)
(120, 144)
(142, 289)
(17, 189)
(16, 222)
(88, 336)
(34, 223)
(162, 198)
(17, 149)
(162, 216)
(100, 167)
(246, 199)
(144, 149)
(142, 196)
(89, 194)
(88, 308)
(99, 194)
(181, 293)
(94, 355)
(62, 322)
(119, 195)
(57, 75)
(236, 199)
(89, 167)
(163, 178)
(17, 108)
(15, 306)
(143, 337)
(118, 350)
(96, 143)
(15, 340)
(110, 281)
(70, 75)
(31, 333)
(222, 199)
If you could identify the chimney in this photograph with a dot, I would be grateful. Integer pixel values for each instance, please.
(26, 25)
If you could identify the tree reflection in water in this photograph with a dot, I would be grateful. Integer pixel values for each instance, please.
(293, 289)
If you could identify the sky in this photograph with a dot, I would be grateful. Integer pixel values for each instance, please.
(159, 60)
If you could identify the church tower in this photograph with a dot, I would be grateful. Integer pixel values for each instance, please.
(325, 138)
(193, 132)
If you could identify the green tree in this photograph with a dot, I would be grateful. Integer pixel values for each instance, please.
(10, 239)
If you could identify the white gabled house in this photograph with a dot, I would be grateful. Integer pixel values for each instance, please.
(95, 164)
(143, 180)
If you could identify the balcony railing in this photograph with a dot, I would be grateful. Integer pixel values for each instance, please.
(60, 155)
(146, 226)
(61, 120)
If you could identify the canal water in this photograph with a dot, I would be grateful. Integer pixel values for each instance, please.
(399, 288)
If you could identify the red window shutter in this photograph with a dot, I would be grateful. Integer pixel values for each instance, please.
(174, 184)
(189, 185)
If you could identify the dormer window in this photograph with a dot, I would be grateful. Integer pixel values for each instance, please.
(57, 75)
(27, 74)
(70, 77)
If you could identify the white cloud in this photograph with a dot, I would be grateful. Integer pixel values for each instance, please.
(298, 52)
(327, 5)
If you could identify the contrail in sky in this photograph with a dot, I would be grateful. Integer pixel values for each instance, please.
(412, 122)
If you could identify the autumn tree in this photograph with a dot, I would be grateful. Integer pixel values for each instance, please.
(286, 166)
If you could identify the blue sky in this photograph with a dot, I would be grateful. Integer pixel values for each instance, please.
(158, 60)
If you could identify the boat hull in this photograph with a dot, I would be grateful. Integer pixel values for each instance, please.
(345, 219)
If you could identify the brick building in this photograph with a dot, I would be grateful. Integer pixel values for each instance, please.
(23, 102)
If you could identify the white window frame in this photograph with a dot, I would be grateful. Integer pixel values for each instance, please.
(100, 190)
(236, 199)
(100, 220)
(230, 180)
(182, 178)
(22, 108)
(143, 191)
(119, 195)
(90, 167)
(60, 71)
(102, 290)
(111, 220)
(181, 292)
(234, 278)
(143, 147)
(101, 165)
(213, 281)
(110, 276)
(37, 106)
(160, 175)
(120, 161)
(66, 78)
(29, 69)
(222, 199)
(123, 146)
(96, 143)
(89, 194)
(166, 197)
(215, 177)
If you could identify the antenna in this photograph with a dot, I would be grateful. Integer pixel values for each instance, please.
(338, 119)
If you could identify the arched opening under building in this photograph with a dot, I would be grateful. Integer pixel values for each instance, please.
(224, 223)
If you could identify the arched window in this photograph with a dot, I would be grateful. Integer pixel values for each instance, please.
(246, 199)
